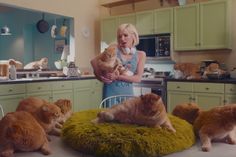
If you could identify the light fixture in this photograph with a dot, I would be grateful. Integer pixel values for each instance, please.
(5, 30)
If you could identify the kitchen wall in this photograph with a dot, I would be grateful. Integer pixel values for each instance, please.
(86, 18)
(225, 56)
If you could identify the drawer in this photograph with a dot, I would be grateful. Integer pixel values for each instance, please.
(230, 88)
(12, 89)
(82, 84)
(38, 87)
(180, 86)
(62, 85)
(97, 84)
(209, 87)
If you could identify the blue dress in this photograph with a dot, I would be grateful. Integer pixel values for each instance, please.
(121, 87)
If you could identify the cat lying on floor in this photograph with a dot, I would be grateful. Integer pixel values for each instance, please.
(47, 114)
(21, 132)
(216, 124)
(109, 63)
(147, 110)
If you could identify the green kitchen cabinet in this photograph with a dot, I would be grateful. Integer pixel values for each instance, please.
(206, 95)
(40, 89)
(108, 29)
(163, 20)
(10, 95)
(145, 22)
(96, 93)
(129, 18)
(62, 90)
(177, 93)
(202, 26)
(230, 93)
(87, 94)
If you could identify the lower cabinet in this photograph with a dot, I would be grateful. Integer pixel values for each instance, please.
(10, 95)
(230, 96)
(84, 94)
(87, 94)
(206, 95)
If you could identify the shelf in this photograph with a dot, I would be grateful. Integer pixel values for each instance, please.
(119, 2)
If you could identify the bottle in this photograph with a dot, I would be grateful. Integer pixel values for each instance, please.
(12, 72)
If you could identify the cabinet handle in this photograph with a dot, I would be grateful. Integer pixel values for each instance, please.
(178, 87)
(39, 87)
(231, 89)
(10, 90)
(62, 85)
(207, 88)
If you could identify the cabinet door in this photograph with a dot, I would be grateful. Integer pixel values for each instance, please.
(64, 94)
(96, 93)
(209, 100)
(42, 90)
(108, 29)
(230, 90)
(163, 19)
(82, 99)
(214, 25)
(230, 99)
(144, 22)
(176, 97)
(10, 102)
(127, 19)
(186, 29)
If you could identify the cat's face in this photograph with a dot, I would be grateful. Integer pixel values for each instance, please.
(151, 104)
(64, 104)
(51, 111)
(187, 111)
(110, 53)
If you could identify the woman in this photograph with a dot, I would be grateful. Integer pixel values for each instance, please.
(134, 60)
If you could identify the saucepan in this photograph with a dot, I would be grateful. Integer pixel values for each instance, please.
(42, 25)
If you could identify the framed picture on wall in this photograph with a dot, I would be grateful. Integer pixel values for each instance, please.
(59, 45)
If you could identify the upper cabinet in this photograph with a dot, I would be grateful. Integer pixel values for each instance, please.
(108, 29)
(147, 22)
(202, 26)
(163, 20)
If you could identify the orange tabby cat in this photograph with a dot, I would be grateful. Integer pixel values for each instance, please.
(147, 110)
(109, 63)
(216, 124)
(44, 112)
(66, 109)
(189, 70)
(21, 132)
(40, 64)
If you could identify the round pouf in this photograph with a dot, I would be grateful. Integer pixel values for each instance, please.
(123, 140)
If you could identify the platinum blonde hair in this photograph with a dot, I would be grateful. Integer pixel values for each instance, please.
(132, 30)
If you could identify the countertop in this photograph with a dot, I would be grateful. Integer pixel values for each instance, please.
(226, 80)
(45, 79)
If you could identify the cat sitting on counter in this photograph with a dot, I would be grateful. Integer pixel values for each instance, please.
(188, 71)
(40, 64)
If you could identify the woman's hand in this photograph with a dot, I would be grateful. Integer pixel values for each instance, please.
(105, 79)
(111, 76)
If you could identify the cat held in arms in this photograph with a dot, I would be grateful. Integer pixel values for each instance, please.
(147, 110)
(217, 124)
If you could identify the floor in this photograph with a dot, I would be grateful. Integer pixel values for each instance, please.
(60, 149)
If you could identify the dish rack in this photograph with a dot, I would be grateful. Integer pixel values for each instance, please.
(112, 100)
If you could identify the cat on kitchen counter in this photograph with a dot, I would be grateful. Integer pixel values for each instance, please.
(40, 64)
(21, 132)
(147, 110)
(189, 70)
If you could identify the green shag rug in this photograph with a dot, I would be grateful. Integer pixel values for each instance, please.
(122, 140)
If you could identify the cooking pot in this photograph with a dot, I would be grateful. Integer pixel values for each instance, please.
(42, 25)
